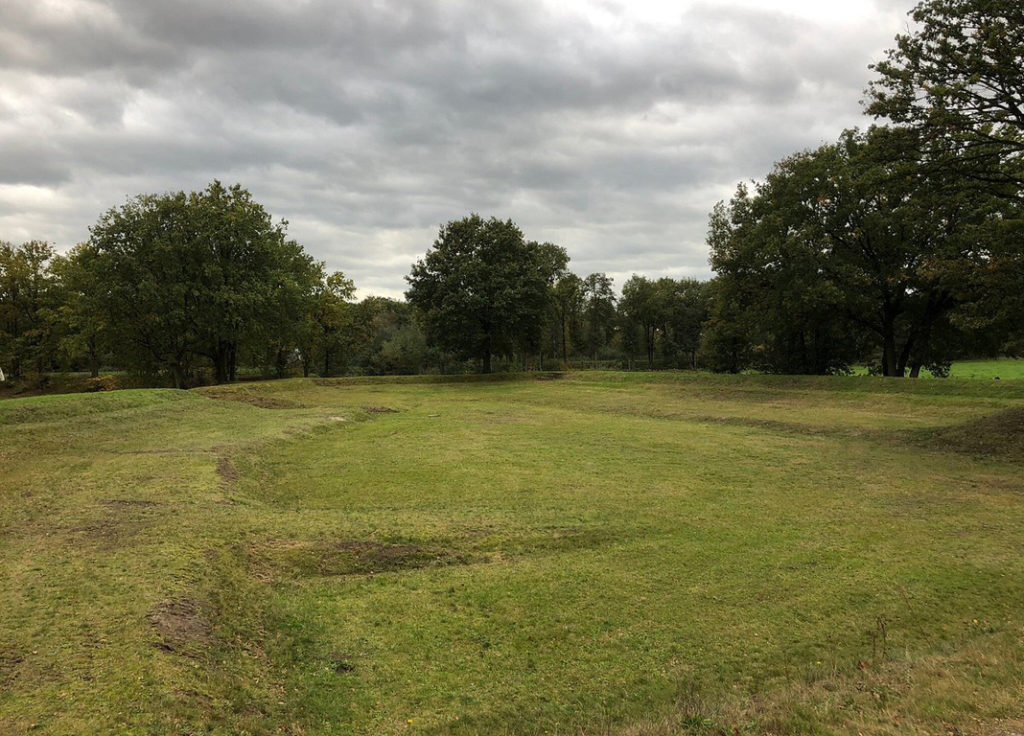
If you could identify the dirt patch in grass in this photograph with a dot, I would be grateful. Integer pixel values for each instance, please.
(181, 623)
(130, 503)
(999, 435)
(300, 558)
(253, 399)
(109, 533)
(550, 376)
(9, 661)
(379, 410)
(227, 471)
(342, 663)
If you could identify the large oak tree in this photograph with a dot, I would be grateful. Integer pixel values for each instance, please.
(483, 290)
(204, 274)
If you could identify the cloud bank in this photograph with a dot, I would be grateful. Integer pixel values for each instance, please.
(606, 127)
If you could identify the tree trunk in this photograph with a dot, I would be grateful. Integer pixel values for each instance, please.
(565, 343)
(889, 350)
(281, 363)
(224, 362)
(94, 358)
(177, 376)
(486, 368)
(232, 361)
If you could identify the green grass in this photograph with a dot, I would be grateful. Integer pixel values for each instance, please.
(601, 554)
(1002, 368)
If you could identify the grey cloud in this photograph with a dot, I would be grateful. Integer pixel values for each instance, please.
(33, 162)
(367, 125)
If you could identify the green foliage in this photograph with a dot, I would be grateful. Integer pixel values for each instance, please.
(205, 274)
(483, 290)
(958, 80)
(28, 300)
(640, 309)
(664, 316)
(85, 337)
(327, 333)
(389, 341)
(567, 302)
(599, 314)
(848, 240)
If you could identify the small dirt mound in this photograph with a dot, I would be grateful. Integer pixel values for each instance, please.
(342, 663)
(364, 556)
(999, 435)
(180, 623)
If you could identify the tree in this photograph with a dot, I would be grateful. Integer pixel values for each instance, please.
(84, 325)
(684, 305)
(27, 337)
(199, 275)
(642, 311)
(567, 302)
(329, 322)
(773, 308)
(958, 79)
(853, 235)
(598, 313)
(727, 338)
(482, 290)
(388, 340)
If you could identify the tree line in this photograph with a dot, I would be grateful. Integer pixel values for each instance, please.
(187, 288)
(901, 246)
(904, 243)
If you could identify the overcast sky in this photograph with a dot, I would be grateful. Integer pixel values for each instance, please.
(610, 128)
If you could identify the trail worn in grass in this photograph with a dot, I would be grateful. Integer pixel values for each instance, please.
(602, 554)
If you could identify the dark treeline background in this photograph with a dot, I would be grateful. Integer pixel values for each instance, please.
(183, 289)
(900, 246)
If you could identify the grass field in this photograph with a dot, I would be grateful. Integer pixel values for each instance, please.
(1002, 368)
(594, 555)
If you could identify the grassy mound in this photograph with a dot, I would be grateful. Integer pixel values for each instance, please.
(998, 435)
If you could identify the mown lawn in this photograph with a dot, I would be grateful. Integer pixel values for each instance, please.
(597, 554)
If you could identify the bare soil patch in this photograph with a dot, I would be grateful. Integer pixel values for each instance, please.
(379, 410)
(180, 622)
(9, 661)
(227, 471)
(118, 503)
(109, 532)
(342, 663)
(296, 558)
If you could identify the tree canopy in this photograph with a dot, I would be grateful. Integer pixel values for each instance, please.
(199, 274)
(482, 289)
(958, 78)
(851, 237)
